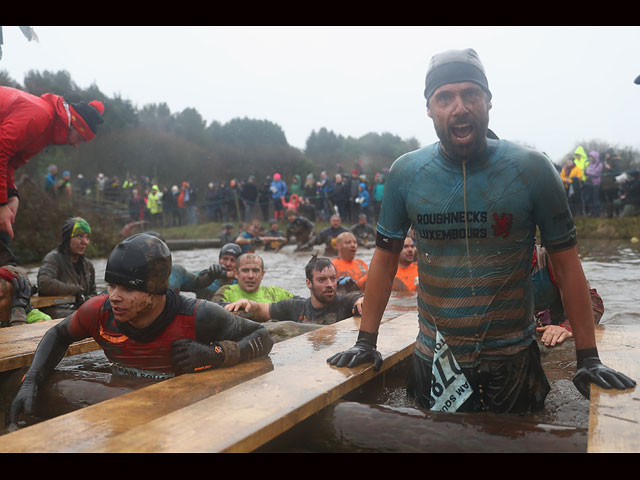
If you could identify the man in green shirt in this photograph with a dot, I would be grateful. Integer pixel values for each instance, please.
(249, 273)
(324, 307)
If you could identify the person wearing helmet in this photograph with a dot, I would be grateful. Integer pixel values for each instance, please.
(227, 260)
(144, 328)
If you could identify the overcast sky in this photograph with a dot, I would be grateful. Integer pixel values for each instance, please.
(552, 86)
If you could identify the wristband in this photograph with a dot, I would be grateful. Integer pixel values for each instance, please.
(388, 244)
(368, 338)
(585, 353)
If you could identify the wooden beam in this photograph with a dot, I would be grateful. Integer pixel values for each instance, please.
(18, 344)
(614, 415)
(245, 417)
(234, 409)
(41, 302)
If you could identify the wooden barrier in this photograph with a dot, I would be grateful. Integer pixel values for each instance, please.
(41, 302)
(18, 344)
(190, 244)
(614, 415)
(241, 408)
(236, 409)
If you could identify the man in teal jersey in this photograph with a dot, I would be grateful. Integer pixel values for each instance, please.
(475, 202)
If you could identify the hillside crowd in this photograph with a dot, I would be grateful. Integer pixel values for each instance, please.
(348, 195)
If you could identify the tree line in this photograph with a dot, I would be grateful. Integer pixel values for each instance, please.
(175, 146)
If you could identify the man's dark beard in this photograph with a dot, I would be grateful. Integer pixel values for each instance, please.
(320, 296)
(467, 152)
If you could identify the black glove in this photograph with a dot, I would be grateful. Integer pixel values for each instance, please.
(591, 370)
(363, 351)
(189, 356)
(24, 401)
(21, 293)
(217, 271)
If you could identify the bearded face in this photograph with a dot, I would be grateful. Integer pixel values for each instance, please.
(460, 113)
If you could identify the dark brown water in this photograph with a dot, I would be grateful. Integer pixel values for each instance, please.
(357, 422)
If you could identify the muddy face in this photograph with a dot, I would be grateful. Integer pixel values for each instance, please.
(132, 306)
(324, 285)
(249, 274)
(78, 244)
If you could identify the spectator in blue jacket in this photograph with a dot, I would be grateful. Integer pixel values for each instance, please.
(278, 194)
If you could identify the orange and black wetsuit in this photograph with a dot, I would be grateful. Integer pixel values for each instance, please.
(147, 351)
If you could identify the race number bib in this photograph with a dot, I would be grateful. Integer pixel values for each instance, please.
(449, 386)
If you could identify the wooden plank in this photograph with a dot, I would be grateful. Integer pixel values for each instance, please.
(41, 302)
(614, 415)
(243, 415)
(18, 344)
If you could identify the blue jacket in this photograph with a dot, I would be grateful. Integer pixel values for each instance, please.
(278, 189)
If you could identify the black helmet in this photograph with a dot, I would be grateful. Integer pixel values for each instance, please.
(141, 262)
(230, 249)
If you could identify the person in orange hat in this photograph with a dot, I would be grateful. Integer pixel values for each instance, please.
(28, 124)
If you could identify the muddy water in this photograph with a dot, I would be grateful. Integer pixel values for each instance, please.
(611, 267)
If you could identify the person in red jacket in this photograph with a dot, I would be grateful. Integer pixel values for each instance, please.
(28, 124)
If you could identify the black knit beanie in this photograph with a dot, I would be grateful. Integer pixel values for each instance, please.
(455, 66)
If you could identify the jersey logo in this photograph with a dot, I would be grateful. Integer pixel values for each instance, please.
(113, 338)
(502, 224)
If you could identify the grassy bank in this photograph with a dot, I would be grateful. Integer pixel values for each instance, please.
(592, 228)
(214, 229)
(608, 228)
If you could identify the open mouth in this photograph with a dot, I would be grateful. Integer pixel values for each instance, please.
(462, 132)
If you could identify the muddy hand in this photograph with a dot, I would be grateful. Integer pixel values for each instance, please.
(242, 304)
(23, 403)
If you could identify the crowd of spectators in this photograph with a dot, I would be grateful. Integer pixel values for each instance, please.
(236, 200)
(597, 187)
